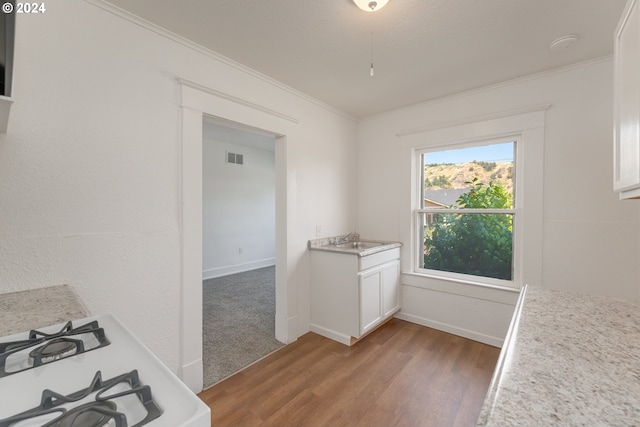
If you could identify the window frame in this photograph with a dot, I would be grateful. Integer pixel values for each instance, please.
(529, 122)
(419, 209)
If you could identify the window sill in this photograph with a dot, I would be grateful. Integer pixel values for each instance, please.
(456, 286)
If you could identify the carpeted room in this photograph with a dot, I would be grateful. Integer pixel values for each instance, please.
(238, 322)
(238, 242)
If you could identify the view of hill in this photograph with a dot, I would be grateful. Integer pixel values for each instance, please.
(443, 176)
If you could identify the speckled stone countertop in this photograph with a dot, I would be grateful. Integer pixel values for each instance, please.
(326, 244)
(26, 310)
(568, 360)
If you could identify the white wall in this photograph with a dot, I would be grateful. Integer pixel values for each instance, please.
(239, 209)
(90, 169)
(590, 238)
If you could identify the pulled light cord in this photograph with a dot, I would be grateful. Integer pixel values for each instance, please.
(371, 71)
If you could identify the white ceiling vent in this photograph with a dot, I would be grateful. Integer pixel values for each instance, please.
(234, 158)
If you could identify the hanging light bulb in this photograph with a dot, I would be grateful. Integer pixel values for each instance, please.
(371, 6)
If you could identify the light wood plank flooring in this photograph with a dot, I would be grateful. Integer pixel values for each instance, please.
(402, 374)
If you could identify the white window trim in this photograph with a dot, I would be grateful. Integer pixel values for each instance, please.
(516, 212)
(528, 125)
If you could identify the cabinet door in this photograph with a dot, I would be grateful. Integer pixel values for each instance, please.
(390, 289)
(627, 103)
(370, 299)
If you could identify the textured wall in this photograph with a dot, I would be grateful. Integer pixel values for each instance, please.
(590, 238)
(90, 167)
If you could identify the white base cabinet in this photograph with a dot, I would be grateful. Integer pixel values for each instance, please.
(626, 111)
(351, 295)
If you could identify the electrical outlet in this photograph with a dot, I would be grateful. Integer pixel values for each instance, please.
(318, 231)
(240, 251)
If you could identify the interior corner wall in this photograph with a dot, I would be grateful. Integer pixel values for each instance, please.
(90, 168)
(238, 221)
(590, 238)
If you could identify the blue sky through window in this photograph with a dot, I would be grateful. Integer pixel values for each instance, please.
(485, 153)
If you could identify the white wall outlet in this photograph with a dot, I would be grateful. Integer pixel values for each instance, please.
(318, 231)
(240, 251)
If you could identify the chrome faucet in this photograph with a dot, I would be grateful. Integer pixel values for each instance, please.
(346, 238)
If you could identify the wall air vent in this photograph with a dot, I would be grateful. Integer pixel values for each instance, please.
(234, 158)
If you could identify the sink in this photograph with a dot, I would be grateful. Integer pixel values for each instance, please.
(359, 245)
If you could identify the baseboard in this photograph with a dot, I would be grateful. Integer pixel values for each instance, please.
(292, 329)
(237, 268)
(452, 329)
(336, 336)
(191, 375)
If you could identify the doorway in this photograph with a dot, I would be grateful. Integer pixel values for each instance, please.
(198, 102)
(238, 254)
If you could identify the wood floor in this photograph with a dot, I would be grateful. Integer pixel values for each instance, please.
(403, 374)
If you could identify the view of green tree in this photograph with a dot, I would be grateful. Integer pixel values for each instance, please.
(476, 244)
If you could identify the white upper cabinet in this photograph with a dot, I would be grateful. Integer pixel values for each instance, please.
(7, 37)
(626, 160)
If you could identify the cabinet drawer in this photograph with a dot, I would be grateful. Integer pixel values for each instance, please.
(378, 258)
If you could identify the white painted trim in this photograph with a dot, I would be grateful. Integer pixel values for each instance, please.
(633, 193)
(452, 329)
(141, 22)
(479, 291)
(191, 250)
(236, 99)
(331, 334)
(195, 105)
(493, 116)
(490, 126)
(5, 111)
(528, 124)
(212, 273)
(292, 329)
(502, 84)
(191, 374)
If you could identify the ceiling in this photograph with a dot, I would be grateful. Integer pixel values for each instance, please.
(422, 49)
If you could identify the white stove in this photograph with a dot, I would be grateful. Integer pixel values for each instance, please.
(90, 372)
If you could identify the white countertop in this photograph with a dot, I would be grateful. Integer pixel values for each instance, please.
(568, 359)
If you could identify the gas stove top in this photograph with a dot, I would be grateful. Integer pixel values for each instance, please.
(90, 372)
(40, 347)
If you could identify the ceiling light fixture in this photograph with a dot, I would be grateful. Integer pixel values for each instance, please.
(564, 42)
(370, 5)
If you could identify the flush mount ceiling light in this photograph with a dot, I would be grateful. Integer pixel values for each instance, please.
(564, 42)
(370, 5)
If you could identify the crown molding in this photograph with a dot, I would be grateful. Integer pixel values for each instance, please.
(505, 83)
(150, 26)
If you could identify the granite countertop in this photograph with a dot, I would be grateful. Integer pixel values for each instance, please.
(325, 244)
(569, 359)
(32, 309)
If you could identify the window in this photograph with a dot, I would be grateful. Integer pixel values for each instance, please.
(466, 215)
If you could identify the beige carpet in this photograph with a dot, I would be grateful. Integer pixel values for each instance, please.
(238, 322)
